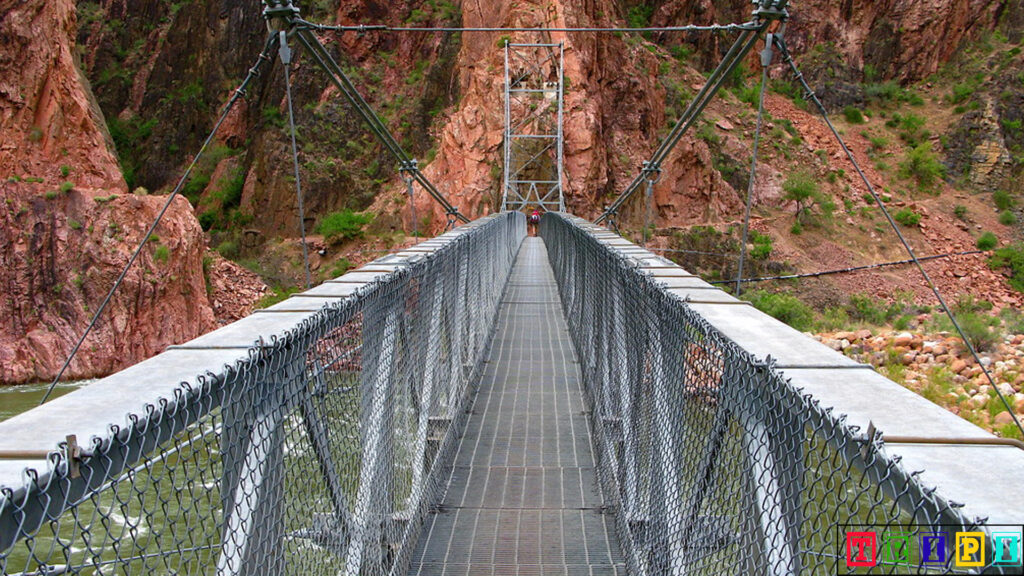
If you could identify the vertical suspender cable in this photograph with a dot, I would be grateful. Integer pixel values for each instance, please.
(286, 61)
(766, 60)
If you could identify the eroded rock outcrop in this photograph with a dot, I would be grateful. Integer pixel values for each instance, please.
(60, 252)
(67, 227)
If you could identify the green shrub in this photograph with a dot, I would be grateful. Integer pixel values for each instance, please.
(834, 318)
(1002, 199)
(902, 322)
(639, 16)
(161, 254)
(960, 211)
(228, 249)
(344, 225)
(1011, 257)
(802, 188)
(762, 245)
(784, 307)
(853, 115)
(208, 219)
(65, 170)
(51, 194)
(980, 330)
(66, 186)
(910, 128)
(883, 92)
(1013, 320)
(907, 217)
(867, 309)
(340, 267)
(1007, 218)
(923, 166)
(74, 224)
(987, 241)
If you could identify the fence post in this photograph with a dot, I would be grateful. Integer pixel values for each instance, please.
(374, 503)
(252, 448)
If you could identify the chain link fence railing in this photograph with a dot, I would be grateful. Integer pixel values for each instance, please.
(319, 452)
(712, 462)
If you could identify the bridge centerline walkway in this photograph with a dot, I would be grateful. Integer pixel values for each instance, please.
(523, 496)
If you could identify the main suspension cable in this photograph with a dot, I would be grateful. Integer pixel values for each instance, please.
(812, 97)
(338, 77)
(364, 28)
(240, 92)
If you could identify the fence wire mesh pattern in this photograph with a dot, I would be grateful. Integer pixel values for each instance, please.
(320, 452)
(712, 462)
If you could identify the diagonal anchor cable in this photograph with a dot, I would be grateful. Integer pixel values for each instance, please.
(322, 57)
(787, 58)
(240, 92)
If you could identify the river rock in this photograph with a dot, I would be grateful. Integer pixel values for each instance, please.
(1002, 419)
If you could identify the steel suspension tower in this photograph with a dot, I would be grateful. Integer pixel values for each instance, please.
(534, 88)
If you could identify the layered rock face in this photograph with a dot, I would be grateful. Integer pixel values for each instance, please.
(47, 112)
(66, 225)
(60, 252)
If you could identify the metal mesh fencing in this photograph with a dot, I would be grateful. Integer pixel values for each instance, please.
(320, 452)
(712, 462)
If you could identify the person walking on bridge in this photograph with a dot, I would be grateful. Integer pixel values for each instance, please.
(534, 220)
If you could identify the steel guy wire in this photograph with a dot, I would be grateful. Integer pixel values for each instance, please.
(851, 268)
(240, 92)
(811, 96)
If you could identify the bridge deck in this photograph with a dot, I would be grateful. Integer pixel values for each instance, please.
(523, 497)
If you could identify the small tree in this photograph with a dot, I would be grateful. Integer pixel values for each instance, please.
(801, 188)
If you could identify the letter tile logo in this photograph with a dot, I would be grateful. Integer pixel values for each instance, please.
(970, 549)
(933, 548)
(861, 549)
(1006, 549)
(896, 548)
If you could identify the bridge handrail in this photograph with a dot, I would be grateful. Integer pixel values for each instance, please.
(708, 413)
(323, 421)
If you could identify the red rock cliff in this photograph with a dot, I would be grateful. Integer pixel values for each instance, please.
(67, 226)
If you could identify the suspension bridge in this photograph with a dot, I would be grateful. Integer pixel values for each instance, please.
(488, 402)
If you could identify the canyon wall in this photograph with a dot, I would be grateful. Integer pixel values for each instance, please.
(104, 102)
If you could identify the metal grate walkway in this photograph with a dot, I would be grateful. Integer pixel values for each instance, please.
(523, 497)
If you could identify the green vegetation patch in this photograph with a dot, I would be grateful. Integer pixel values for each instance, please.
(343, 225)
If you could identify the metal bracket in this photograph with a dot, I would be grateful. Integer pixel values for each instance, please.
(279, 9)
(73, 455)
(767, 54)
(770, 9)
